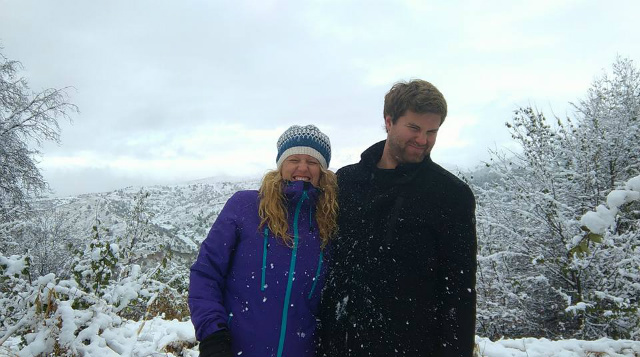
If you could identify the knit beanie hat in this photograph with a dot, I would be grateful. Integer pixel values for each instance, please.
(307, 140)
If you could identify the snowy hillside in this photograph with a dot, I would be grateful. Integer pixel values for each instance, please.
(179, 215)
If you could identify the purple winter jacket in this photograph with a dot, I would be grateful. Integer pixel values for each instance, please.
(248, 281)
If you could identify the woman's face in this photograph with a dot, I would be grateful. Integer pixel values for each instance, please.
(301, 167)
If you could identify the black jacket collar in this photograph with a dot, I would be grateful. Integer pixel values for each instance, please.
(401, 174)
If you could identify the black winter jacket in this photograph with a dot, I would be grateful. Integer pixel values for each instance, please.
(402, 278)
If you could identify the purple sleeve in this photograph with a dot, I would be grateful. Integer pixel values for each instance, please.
(208, 273)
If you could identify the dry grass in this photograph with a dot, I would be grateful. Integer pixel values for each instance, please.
(170, 306)
(177, 348)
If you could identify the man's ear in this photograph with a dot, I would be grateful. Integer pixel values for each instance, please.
(387, 122)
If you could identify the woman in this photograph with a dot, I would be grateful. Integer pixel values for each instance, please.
(255, 287)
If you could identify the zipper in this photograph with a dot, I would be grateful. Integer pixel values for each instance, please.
(292, 269)
(264, 259)
(310, 218)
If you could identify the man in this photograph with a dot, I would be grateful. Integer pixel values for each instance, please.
(402, 274)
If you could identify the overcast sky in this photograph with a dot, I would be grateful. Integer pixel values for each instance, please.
(173, 91)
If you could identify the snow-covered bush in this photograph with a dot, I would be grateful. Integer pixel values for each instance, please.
(109, 268)
(58, 317)
(94, 267)
(44, 236)
(535, 259)
(105, 289)
(612, 232)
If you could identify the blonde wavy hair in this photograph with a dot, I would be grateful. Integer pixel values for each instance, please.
(273, 210)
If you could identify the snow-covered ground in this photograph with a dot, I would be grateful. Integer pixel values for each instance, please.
(533, 347)
(158, 337)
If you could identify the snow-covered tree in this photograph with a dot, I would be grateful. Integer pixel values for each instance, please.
(523, 230)
(612, 231)
(537, 264)
(607, 130)
(27, 119)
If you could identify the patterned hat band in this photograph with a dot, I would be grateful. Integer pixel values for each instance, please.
(297, 150)
(308, 140)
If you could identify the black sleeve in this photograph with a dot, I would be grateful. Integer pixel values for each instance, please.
(458, 282)
(218, 344)
(330, 331)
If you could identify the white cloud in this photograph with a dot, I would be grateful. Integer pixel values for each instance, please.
(194, 89)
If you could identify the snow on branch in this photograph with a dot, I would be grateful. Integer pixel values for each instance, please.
(604, 217)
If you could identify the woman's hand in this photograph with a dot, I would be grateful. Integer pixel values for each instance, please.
(218, 344)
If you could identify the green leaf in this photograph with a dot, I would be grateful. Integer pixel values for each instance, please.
(596, 238)
(584, 246)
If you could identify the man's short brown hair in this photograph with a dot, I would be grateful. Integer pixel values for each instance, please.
(417, 95)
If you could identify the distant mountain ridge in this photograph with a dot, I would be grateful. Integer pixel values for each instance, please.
(179, 215)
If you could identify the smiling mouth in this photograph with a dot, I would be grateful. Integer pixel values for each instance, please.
(301, 178)
(418, 148)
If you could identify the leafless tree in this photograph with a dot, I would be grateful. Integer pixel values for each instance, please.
(27, 119)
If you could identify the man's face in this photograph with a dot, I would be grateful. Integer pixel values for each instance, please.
(412, 137)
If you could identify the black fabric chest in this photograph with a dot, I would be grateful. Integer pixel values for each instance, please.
(388, 253)
(402, 268)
